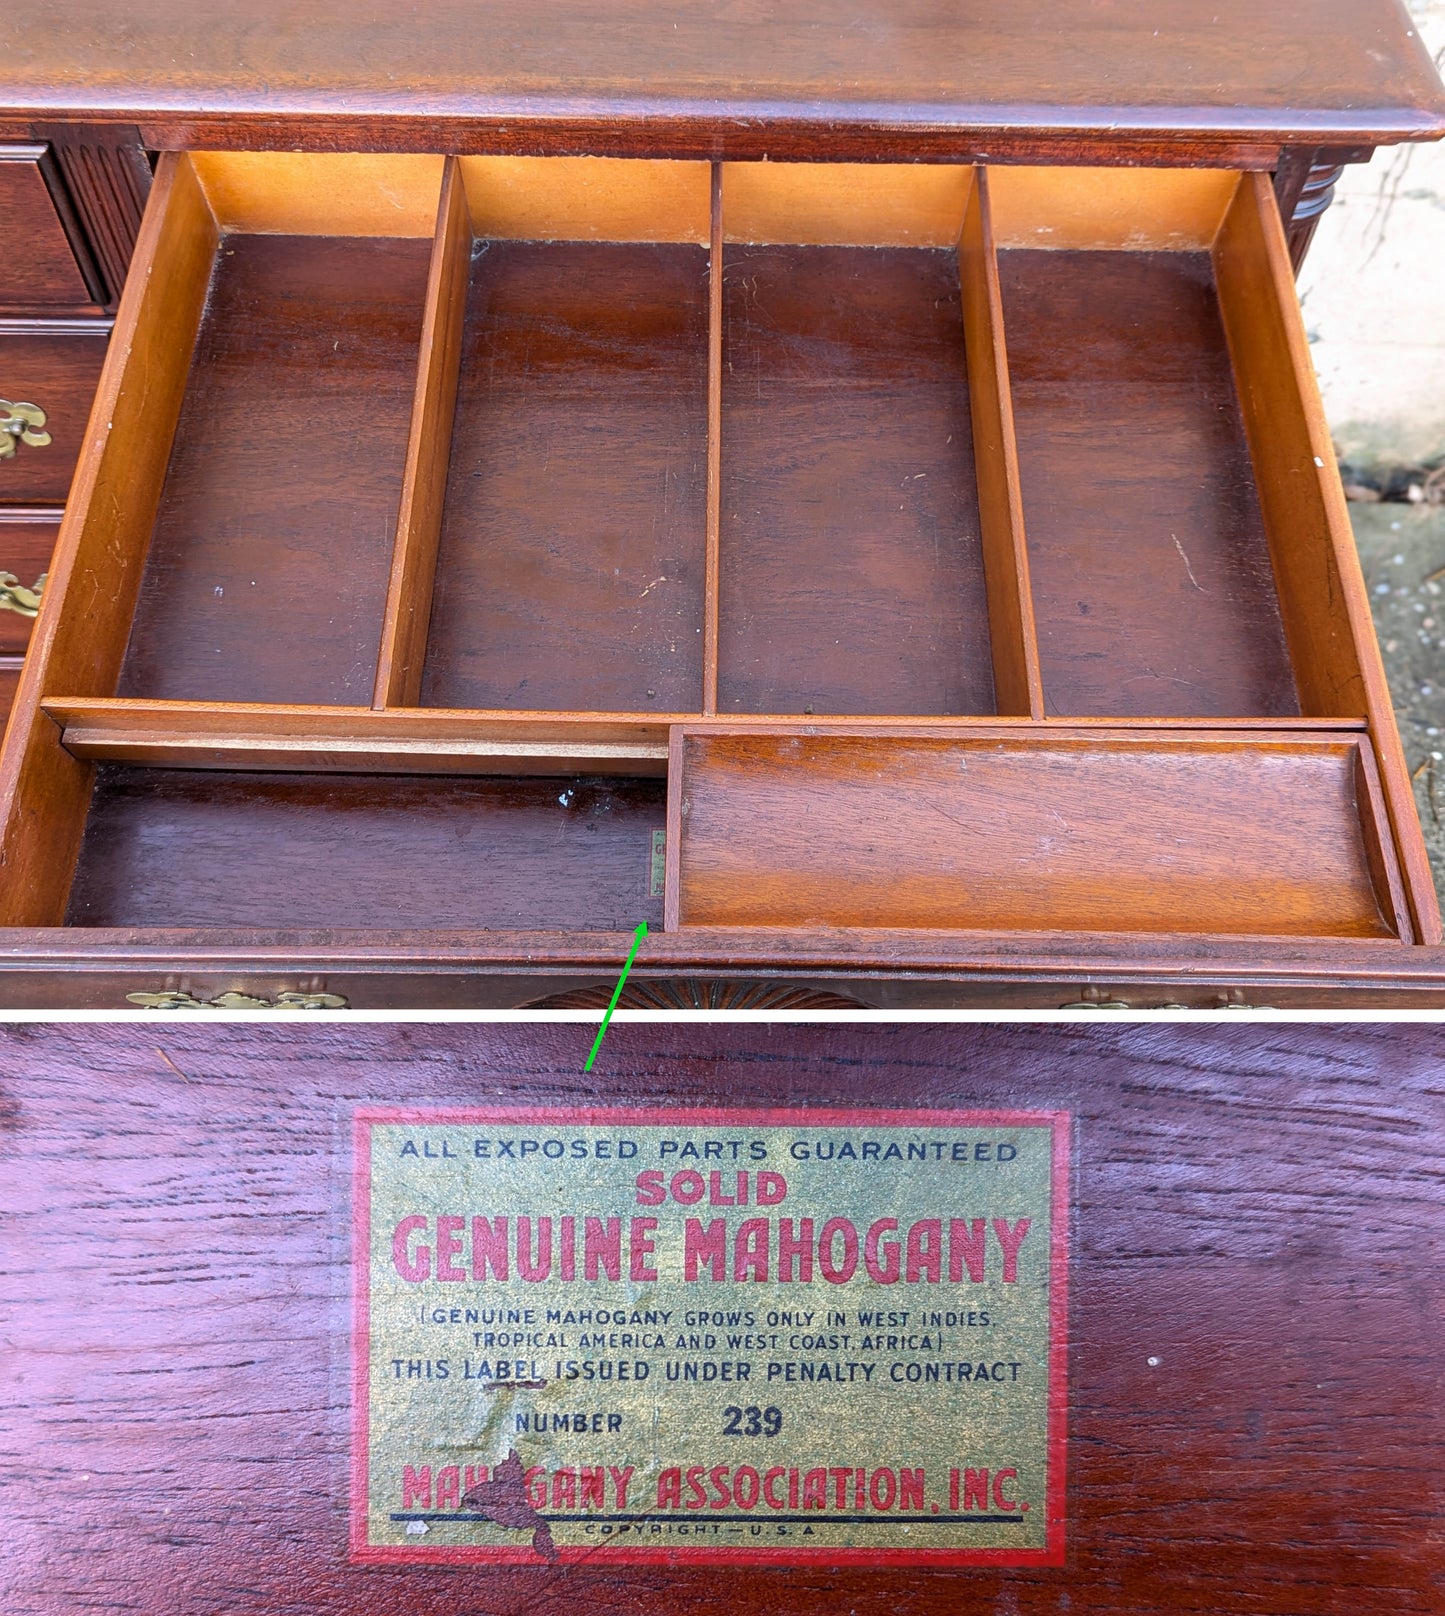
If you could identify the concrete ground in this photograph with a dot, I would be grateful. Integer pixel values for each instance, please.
(1373, 292)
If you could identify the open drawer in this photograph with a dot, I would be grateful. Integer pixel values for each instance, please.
(927, 582)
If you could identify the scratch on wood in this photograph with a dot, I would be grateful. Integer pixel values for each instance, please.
(169, 1062)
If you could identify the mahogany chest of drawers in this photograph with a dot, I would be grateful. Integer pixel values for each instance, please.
(848, 491)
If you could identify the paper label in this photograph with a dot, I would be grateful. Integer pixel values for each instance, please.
(683, 1335)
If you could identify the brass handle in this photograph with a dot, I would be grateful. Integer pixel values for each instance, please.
(20, 423)
(237, 1001)
(15, 597)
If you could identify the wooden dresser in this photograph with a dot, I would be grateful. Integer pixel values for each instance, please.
(845, 487)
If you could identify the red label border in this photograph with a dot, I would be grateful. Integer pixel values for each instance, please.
(364, 1553)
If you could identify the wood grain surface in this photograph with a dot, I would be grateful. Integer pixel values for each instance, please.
(732, 77)
(267, 573)
(1255, 1407)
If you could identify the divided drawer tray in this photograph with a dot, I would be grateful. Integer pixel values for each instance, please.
(903, 549)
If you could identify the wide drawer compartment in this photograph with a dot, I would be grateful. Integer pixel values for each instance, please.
(520, 549)
(1027, 832)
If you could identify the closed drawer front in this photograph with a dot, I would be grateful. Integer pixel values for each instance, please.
(56, 373)
(41, 265)
(526, 549)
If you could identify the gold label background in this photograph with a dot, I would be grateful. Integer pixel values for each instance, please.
(860, 1423)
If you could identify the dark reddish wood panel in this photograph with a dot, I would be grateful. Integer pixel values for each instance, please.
(267, 572)
(182, 848)
(39, 265)
(1255, 1308)
(1153, 589)
(570, 572)
(736, 73)
(56, 370)
(851, 562)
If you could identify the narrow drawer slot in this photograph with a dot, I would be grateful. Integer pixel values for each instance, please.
(852, 564)
(1253, 835)
(570, 567)
(267, 569)
(1154, 593)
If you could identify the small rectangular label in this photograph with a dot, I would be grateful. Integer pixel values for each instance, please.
(734, 1336)
(657, 870)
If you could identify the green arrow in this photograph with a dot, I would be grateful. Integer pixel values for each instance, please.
(637, 937)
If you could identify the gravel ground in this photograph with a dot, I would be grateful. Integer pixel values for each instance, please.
(1402, 552)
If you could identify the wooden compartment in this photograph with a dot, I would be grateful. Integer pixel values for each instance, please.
(631, 530)
(266, 573)
(852, 568)
(1154, 593)
(570, 568)
(172, 847)
(1026, 831)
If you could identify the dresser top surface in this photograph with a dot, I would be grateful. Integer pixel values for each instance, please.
(1320, 71)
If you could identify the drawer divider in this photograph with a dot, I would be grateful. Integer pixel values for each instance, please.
(1018, 682)
(712, 565)
(419, 517)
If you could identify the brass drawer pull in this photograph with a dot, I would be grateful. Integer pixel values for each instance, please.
(20, 423)
(15, 597)
(238, 1001)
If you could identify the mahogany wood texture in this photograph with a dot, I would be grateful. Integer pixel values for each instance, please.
(1255, 1316)
(396, 969)
(814, 78)
(267, 573)
(852, 577)
(571, 567)
(171, 847)
(607, 390)
(1327, 613)
(437, 741)
(712, 560)
(1244, 834)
